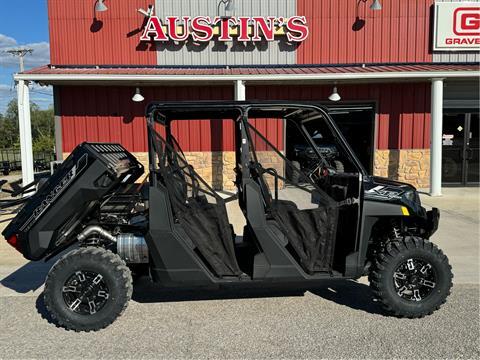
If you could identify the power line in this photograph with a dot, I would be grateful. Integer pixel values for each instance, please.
(40, 92)
(20, 53)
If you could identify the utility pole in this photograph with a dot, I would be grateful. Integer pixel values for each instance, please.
(24, 122)
(20, 53)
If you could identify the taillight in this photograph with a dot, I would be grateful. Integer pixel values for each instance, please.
(13, 240)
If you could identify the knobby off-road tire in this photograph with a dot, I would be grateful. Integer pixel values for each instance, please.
(87, 289)
(399, 271)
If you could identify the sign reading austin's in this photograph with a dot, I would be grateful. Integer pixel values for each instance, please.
(243, 28)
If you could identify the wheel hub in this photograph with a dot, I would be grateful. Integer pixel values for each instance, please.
(85, 292)
(414, 279)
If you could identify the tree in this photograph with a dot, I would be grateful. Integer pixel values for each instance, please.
(9, 136)
(43, 128)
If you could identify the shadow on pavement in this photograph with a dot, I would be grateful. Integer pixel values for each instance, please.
(348, 293)
(29, 277)
(145, 291)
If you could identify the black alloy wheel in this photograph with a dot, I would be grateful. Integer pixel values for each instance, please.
(414, 279)
(85, 292)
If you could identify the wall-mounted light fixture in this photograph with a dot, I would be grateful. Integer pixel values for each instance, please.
(334, 96)
(138, 97)
(376, 5)
(359, 22)
(100, 6)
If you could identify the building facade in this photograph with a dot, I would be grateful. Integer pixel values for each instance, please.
(407, 79)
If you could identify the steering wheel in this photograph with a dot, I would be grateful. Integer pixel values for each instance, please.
(321, 172)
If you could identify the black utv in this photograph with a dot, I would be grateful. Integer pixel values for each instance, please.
(174, 225)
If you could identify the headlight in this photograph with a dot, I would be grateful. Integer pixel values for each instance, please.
(412, 195)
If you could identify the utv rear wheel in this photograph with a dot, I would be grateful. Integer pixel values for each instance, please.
(411, 277)
(87, 289)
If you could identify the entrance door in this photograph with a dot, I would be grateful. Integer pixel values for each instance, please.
(460, 148)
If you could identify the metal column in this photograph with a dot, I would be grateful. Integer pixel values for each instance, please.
(25, 128)
(436, 138)
(239, 90)
(58, 124)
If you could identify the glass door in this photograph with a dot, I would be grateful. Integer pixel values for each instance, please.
(453, 146)
(460, 149)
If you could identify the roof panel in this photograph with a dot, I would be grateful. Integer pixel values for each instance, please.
(255, 70)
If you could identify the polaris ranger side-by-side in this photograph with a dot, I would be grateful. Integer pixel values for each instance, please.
(300, 228)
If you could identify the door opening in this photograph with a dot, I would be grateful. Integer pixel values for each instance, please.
(357, 124)
(460, 148)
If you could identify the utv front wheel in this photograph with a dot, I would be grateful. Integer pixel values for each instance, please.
(87, 289)
(411, 277)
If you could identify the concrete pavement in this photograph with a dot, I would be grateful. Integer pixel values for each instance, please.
(338, 320)
(458, 234)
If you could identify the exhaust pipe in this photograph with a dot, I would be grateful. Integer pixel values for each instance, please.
(95, 229)
(131, 248)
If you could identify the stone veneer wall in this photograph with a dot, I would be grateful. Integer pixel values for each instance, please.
(409, 165)
(271, 160)
(215, 167)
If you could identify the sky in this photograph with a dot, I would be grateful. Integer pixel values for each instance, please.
(23, 23)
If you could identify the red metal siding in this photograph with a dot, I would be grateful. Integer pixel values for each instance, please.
(403, 109)
(74, 39)
(108, 114)
(397, 33)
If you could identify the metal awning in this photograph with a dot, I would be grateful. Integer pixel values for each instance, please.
(51, 74)
(238, 76)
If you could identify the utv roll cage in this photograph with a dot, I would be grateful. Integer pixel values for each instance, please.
(186, 192)
(164, 112)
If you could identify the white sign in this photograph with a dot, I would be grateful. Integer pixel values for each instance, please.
(457, 26)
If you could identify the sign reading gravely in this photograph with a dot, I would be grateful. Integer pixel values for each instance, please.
(243, 28)
(457, 26)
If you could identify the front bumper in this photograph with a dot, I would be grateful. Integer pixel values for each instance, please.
(433, 217)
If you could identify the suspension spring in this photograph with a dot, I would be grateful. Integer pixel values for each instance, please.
(395, 233)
